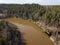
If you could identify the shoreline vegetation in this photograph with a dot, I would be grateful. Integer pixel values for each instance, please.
(9, 34)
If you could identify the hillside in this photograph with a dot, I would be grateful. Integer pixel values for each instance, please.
(50, 15)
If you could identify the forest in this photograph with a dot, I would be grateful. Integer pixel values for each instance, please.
(50, 15)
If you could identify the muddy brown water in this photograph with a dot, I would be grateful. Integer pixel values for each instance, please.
(33, 36)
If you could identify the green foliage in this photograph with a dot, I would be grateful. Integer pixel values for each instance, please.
(48, 14)
(3, 37)
(1, 25)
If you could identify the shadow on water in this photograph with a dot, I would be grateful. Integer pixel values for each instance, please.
(14, 37)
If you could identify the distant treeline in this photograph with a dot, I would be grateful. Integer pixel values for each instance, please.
(50, 15)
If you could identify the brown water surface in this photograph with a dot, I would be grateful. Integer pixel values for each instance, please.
(33, 36)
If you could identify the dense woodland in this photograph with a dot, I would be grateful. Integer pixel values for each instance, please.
(50, 15)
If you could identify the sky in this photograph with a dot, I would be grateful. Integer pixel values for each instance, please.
(41, 2)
